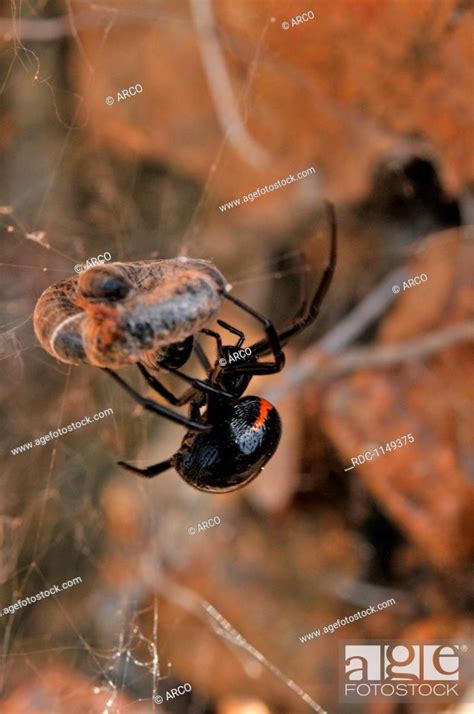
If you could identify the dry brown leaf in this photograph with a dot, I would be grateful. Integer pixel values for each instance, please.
(424, 487)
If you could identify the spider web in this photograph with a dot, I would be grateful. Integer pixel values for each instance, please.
(66, 512)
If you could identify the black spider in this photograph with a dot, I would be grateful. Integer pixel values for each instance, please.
(230, 438)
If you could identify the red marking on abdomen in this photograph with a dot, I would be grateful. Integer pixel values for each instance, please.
(265, 407)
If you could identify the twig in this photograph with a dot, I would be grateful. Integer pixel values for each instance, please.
(220, 85)
(383, 356)
(345, 332)
(316, 364)
(366, 312)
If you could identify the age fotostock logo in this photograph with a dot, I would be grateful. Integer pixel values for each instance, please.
(401, 671)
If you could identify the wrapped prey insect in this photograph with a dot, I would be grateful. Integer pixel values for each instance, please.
(113, 315)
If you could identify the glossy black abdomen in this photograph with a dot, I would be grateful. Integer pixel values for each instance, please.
(243, 439)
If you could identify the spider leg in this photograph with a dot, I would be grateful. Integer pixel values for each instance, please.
(163, 391)
(234, 331)
(300, 312)
(217, 338)
(301, 323)
(324, 283)
(273, 339)
(156, 408)
(201, 385)
(255, 368)
(150, 471)
(202, 357)
(303, 306)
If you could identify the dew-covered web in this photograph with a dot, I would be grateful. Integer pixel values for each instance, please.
(108, 644)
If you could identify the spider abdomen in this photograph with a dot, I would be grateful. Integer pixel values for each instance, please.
(235, 451)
